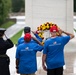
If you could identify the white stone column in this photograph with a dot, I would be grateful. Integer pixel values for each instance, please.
(70, 16)
(57, 11)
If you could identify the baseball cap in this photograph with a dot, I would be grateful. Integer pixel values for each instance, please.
(54, 29)
(27, 29)
(27, 36)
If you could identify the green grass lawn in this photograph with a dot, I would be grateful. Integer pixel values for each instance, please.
(7, 24)
(16, 37)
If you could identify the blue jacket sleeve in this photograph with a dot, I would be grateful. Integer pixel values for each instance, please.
(20, 41)
(38, 47)
(45, 47)
(38, 37)
(17, 53)
(66, 39)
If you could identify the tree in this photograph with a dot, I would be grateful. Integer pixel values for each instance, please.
(74, 5)
(5, 6)
(18, 5)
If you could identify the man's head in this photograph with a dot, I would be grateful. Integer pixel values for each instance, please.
(27, 30)
(27, 37)
(54, 30)
(2, 30)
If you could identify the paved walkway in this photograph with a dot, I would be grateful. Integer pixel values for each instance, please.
(70, 52)
(70, 60)
(20, 24)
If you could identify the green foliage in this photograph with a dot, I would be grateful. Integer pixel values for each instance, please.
(5, 6)
(74, 5)
(18, 5)
(7, 24)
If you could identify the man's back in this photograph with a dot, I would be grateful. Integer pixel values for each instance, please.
(54, 49)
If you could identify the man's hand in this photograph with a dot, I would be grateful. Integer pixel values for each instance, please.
(67, 33)
(34, 32)
(17, 71)
(60, 31)
(44, 67)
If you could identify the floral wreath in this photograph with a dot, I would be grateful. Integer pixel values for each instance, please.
(43, 27)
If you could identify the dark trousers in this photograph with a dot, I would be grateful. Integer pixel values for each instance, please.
(56, 71)
(4, 66)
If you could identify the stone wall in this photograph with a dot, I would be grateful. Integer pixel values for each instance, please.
(56, 11)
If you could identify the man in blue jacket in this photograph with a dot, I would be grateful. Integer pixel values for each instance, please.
(53, 53)
(26, 63)
(28, 30)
